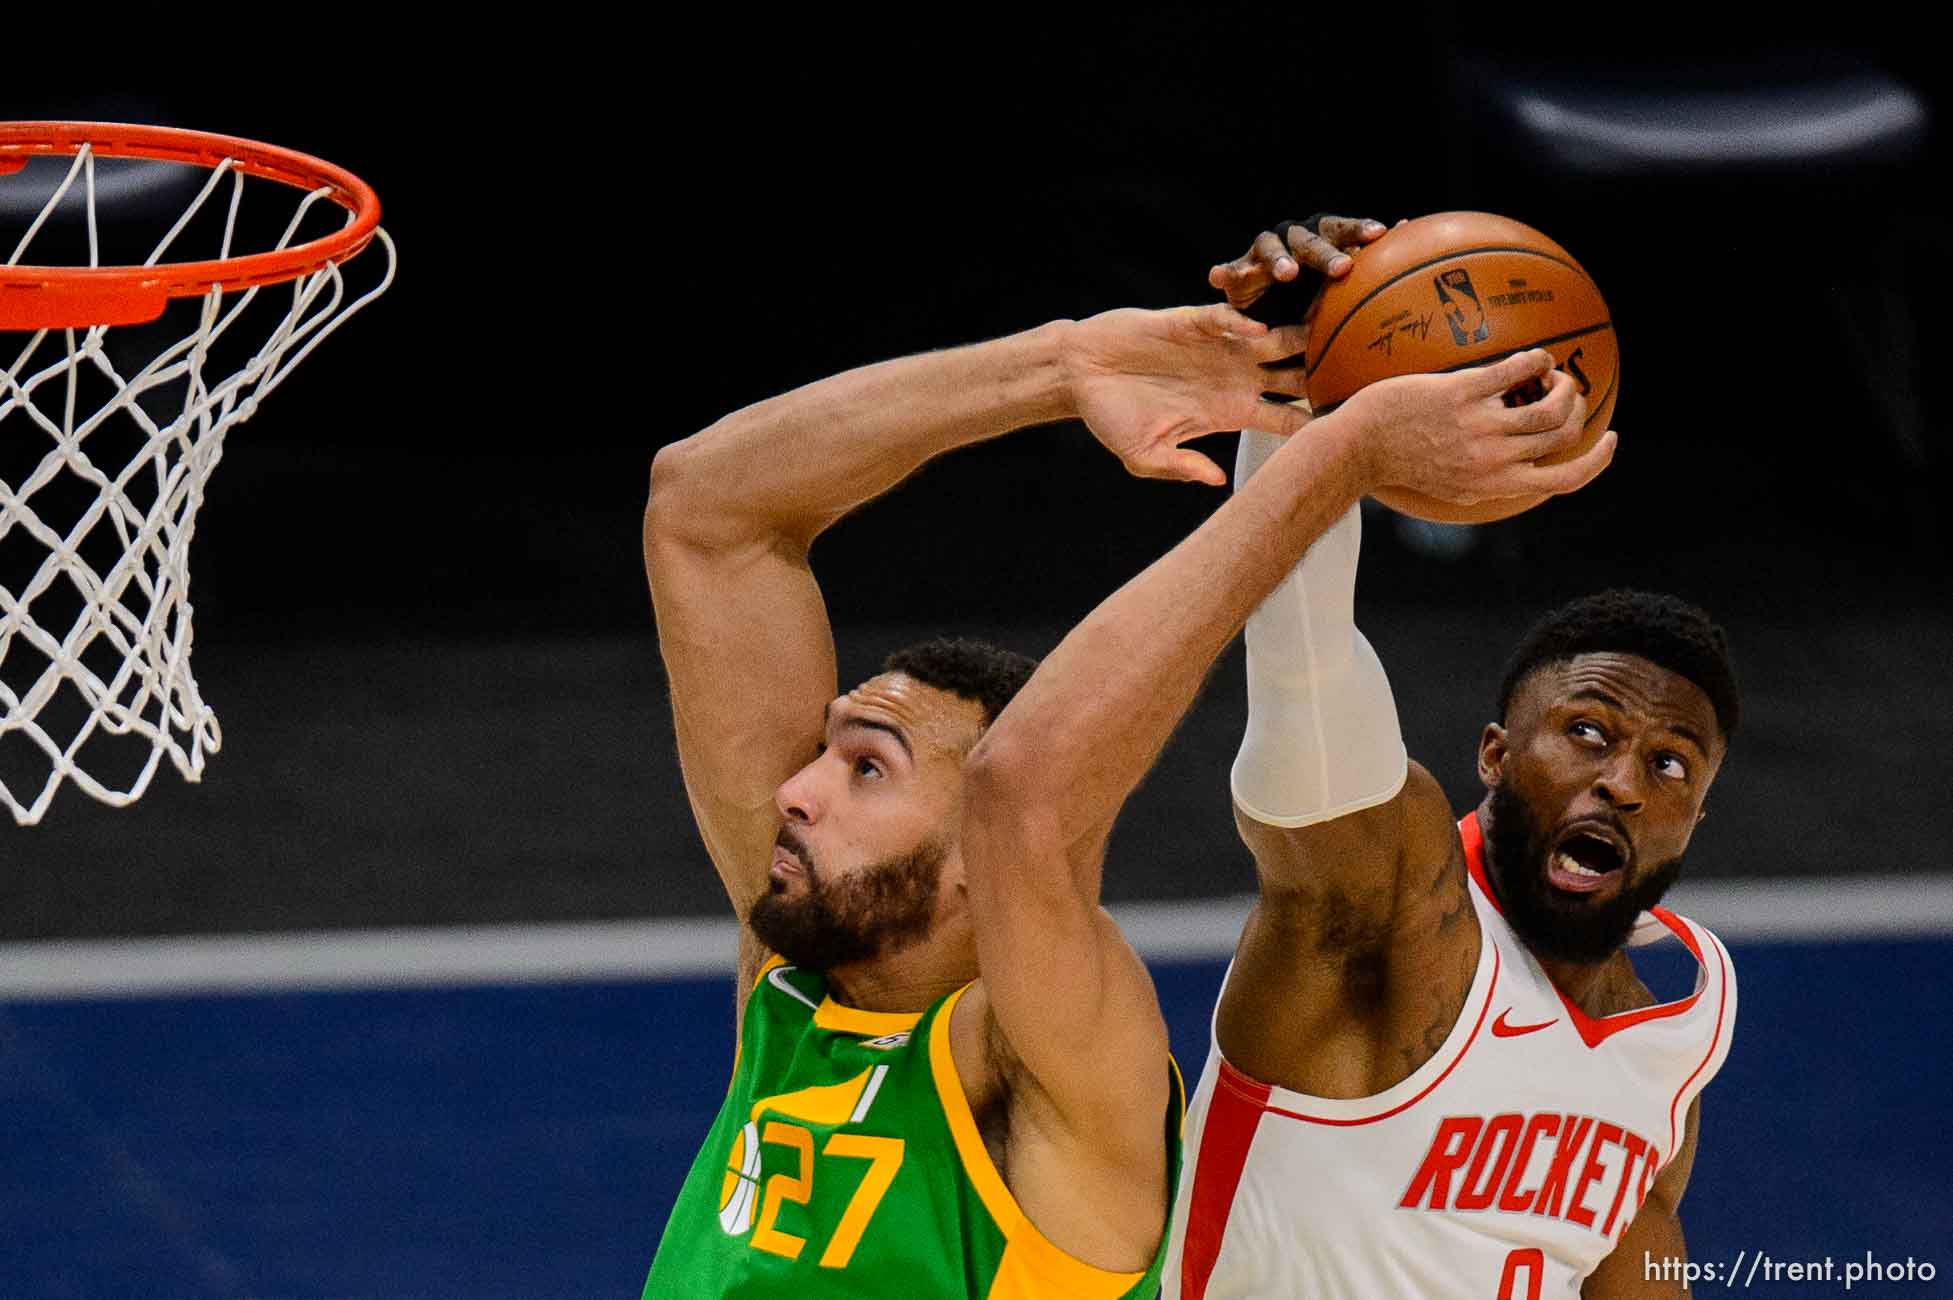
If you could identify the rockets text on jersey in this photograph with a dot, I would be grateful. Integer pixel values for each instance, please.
(1507, 1165)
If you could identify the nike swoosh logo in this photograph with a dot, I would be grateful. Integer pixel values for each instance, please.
(1500, 1029)
(777, 977)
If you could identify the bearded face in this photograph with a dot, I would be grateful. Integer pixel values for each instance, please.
(1556, 923)
(1596, 780)
(834, 919)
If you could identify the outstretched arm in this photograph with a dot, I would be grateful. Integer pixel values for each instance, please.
(1044, 784)
(1364, 941)
(733, 510)
(741, 622)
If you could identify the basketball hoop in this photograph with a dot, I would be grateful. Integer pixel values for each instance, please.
(107, 441)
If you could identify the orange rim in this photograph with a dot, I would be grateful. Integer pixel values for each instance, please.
(52, 297)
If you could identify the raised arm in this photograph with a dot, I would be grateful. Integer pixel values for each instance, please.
(741, 622)
(1044, 784)
(1363, 942)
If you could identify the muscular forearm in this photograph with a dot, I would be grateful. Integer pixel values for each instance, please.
(1088, 726)
(791, 465)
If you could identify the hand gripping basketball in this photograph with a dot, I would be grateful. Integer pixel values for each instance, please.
(1279, 276)
(1454, 439)
(1455, 290)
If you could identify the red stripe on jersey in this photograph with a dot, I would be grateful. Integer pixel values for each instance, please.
(1485, 1009)
(1472, 835)
(1233, 1114)
(1722, 1008)
(1593, 1030)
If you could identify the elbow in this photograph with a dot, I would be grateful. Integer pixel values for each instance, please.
(701, 502)
(673, 480)
(1010, 825)
(998, 783)
(993, 771)
(1033, 760)
(689, 509)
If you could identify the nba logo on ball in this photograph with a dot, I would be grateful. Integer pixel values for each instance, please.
(1374, 324)
(1462, 309)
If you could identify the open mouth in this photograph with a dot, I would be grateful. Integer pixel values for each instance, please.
(1586, 859)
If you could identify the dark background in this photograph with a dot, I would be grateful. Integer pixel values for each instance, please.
(420, 606)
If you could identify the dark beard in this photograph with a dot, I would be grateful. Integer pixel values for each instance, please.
(880, 910)
(1553, 927)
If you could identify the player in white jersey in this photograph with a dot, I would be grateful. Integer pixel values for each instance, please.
(1433, 1070)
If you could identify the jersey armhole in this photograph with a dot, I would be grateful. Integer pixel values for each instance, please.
(1032, 1264)
(773, 962)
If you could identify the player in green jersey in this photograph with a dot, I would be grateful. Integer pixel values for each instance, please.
(952, 1076)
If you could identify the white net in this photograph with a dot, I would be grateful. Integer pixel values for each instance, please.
(107, 441)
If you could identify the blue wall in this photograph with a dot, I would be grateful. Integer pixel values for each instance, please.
(523, 1142)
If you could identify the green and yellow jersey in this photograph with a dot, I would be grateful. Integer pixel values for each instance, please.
(845, 1163)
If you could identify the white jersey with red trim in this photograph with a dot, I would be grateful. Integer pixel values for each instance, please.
(1507, 1165)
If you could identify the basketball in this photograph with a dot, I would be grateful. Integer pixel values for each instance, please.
(1458, 289)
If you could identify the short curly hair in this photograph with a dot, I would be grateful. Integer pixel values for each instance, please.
(1665, 630)
(972, 670)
